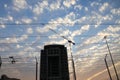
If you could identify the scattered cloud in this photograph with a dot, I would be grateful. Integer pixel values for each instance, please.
(19, 4)
(26, 20)
(79, 32)
(55, 6)
(22, 38)
(2, 26)
(78, 7)
(39, 8)
(69, 3)
(116, 11)
(29, 30)
(103, 7)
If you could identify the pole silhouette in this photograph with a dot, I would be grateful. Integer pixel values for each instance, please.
(0, 62)
(107, 67)
(111, 58)
(36, 68)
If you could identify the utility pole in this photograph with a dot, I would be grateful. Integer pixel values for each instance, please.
(70, 44)
(107, 67)
(0, 62)
(111, 58)
(36, 68)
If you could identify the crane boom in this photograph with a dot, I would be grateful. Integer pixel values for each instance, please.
(62, 36)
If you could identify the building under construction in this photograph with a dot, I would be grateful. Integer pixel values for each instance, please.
(54, 63)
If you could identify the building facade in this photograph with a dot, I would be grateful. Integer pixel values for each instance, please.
(54, 63)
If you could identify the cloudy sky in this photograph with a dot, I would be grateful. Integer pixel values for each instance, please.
(25, 29)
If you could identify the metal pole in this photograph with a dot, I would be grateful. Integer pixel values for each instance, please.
(36, 68)
(0, 62)
(73, 65)
(111, 58)
(107, 67)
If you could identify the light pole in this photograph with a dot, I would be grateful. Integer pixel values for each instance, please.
(36, 68)
(107, 67)
(0, 62)
(111, 57)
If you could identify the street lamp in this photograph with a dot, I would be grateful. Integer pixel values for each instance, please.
(36, 68)
(107, 67)
(111, 57)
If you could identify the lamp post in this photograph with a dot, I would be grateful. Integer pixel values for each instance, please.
(111, 57)
(36, 68)
(107, 67)
(0, 62)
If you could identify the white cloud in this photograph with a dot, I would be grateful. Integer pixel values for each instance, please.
(18, 46)
(60, 34)
(79, 32)
(20, 4)
(39, 8)
(93, 4)
(22, 38)
(68, 3)
(63, 41)
(10, 18)
(42, 29)
(26, 20)
(68, 20)
(2, 26)
(86, 9)
(54, 6)
(11, 40)
(103, 7)
(78, 7)
(29, 30)
(5, 5)
(115, 11)
(113, 29)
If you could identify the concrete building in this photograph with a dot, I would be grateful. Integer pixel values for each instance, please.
(54, 63)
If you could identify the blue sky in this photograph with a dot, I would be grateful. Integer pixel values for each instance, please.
(25, 29)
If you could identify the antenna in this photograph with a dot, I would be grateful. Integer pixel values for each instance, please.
(70, 42)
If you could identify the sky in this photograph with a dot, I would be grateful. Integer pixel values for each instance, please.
(25, 27)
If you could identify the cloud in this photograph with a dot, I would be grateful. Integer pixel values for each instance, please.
(26, 20)
(93, 4)
(39, 8)
(18, 46)
(79, 32)
(68, 20)
(55, 6)
(69, 3)
(2, 26)
(42, 29)
(103, 7)
(10, 18)
(19, 5)
(116, 11)
(78, 7)
(22, 38)
(29, 30)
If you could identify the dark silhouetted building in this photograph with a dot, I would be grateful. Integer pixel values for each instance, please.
(54, 63)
